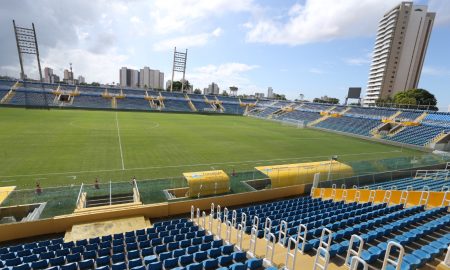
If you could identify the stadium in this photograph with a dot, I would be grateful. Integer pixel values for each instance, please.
(126, 178)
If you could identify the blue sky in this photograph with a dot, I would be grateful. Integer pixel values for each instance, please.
(313, 47)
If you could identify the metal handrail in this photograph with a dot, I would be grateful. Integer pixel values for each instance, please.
(79, 195)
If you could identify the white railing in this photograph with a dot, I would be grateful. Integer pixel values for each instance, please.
(79, 195)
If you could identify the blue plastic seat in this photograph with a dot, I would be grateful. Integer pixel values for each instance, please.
(117, 258)
(102, 261)
(103, 252)
(200, 256)
(42, 264)
(133, 255)
(192, 249)
(210, 264)
(69, 266)
(186, 260)
(165, 255)
(134, 263)
(227, 249)
(13, 262)
(119, 266)
(150, 259)
(195, 266)
(86, 264)
(23, 266)
(73, 257)
(238, 266)
(57, 261)
(214, 252)
(225, 260)
(170, 263)
(239, 256)
(254, 264)
(31, 258)
(47, 255)
(89, 255)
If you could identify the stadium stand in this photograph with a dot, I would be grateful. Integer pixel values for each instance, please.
(176, 243)
(133, 103)
(359, 126)
(91, 101)
(418, 135)
(304, 116)
(428, 180)
(414, 128)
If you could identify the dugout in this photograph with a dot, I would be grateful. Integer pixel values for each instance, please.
(207, 183)
(303, 173)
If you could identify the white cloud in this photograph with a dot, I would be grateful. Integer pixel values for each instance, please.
(435, 71)
(442, 9)
(189, 41)
(317, 21)
(95, 67)
(177, 15)
(225, 75)
(316, 71)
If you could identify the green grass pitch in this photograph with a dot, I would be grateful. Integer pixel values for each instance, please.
(63, 147)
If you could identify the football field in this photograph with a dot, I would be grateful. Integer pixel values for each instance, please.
(63, 147)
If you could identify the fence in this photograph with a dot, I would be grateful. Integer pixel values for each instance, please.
(63, 200)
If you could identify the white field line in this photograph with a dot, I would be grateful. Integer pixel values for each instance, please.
(120, 142)
(196, 165)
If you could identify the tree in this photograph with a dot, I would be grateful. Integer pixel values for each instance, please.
(177, 86)
(326, 99)
(224, 93)
(416, 98)
(279, 97)
(197, 91)
(95, 84)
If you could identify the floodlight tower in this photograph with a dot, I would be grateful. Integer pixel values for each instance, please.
(179, 65)
(27, 44)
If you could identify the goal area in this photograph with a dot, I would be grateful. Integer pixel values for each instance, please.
(293, 122)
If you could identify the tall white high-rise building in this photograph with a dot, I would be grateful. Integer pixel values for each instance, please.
(270, 92)
(399, 53)
(48, 75)
(149, 78)
(129, 77)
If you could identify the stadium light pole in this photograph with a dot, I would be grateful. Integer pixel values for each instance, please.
(330, 168)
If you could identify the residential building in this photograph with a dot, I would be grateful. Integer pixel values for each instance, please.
(270, 92)
(129, 77)
(259, 95)
(48, 75)
(399, 52)
(81, 79)
(213, 89)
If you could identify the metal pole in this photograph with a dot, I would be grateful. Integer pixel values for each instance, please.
(39, 65)
(173, 69)
(184, 71)
(110, 192)
(22, 74)
(37, 53)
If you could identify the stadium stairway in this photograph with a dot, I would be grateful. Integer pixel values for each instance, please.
(191, 105)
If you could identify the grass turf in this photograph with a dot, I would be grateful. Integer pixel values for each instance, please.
(63, 147)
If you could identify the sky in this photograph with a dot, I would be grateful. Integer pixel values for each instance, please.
(309, 47)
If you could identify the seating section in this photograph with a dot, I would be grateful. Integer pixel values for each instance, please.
(133, 103)
(176, 105)
(376, 224)
(434, 182)
(437, 119)
(30, 98)
(359, 126)
(419, 135)
(91, 101)
(374, 113)
(201, 105)
(174, 244)
(303, 115)
(408, 115)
